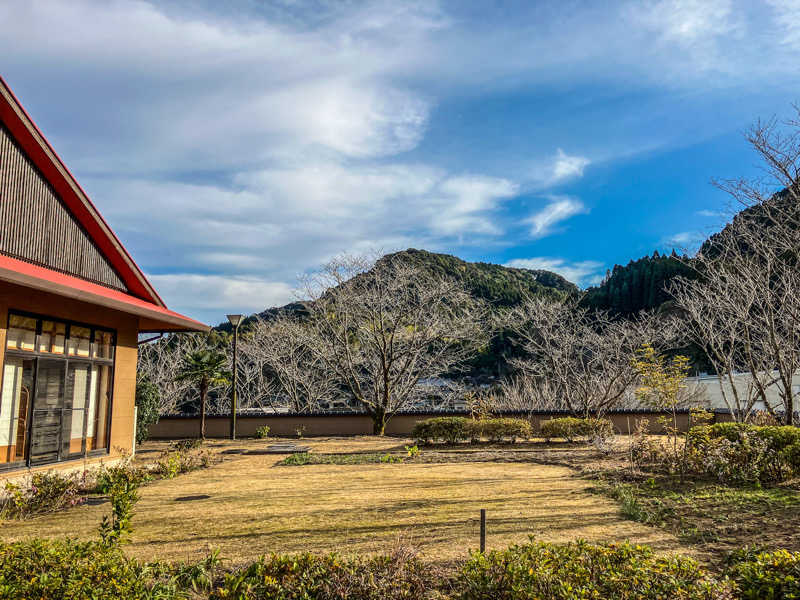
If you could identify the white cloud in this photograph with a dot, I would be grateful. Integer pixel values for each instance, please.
(787, 18)
(685, 240)
(560, 208)
(567, 166)
(582, 273)
(686, 21)
(214, 294)
(710, 213)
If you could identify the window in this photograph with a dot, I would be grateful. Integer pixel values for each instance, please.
(21, 333)
(55, 397)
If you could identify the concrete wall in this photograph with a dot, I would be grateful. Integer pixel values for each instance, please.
(335, 425)
(13, 297)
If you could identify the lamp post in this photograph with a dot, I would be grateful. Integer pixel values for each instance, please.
(235, 321)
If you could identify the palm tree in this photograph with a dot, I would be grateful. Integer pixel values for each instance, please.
(205, 367)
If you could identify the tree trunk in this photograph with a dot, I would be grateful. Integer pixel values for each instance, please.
(789, 407)
(379, 422)
(203, 394)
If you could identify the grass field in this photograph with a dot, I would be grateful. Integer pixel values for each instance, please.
(247, 505)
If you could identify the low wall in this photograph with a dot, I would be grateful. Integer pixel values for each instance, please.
(173, 427)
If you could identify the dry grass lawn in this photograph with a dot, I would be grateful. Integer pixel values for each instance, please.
(247, 506)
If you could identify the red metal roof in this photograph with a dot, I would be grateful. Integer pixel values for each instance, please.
(143, 295)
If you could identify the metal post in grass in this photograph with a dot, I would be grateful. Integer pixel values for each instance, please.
(483, 530)
(235, 321)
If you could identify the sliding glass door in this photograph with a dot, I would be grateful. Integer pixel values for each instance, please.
(55, 401)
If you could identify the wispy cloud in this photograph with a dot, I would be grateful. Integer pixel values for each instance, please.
(560, 208)
(582, 273)
(685, 240)
(567, 166)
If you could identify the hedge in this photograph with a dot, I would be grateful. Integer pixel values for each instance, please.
(452, 430)
(72, 570)
(581, 570)
(571, 428)
(767, 576)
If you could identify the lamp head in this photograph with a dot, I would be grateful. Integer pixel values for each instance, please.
(235, 319)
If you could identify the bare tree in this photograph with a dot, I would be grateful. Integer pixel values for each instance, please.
(580, 360)
(744, 307)
(379, 328)
(282, 367)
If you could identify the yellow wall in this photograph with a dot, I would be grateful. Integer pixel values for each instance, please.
(13, 297)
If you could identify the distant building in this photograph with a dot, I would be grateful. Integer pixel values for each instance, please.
(72, 303)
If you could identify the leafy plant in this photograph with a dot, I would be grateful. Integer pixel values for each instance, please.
(204, 367)
(300, 431)
(447, 429)
(123, 492)
(499, 429)
(572, 428)
(767, 575)
(412, 451)
(147, 406)
(582, 570)
(262, 432)
(42, 493)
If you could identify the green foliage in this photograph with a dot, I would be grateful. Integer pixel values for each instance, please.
(767, 575)
(71, 570)
(572, 428)
(147, 406)
(581, 570)
(122, 486)
(41, 493)
(499, 429)
(639, 285)
(172, 463)
(331, 577)
(262, 432)
(742, 453)
(450, 430)
(413, 451)
(299, 459)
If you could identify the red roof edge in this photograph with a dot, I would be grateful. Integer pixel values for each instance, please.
(44, 156)
(158, 318)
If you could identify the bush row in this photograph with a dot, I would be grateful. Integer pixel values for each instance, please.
(572, 428)
(80, 570)
(743, 453)
(452, 430)
(50, 491)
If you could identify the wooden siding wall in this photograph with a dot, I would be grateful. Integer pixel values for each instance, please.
(36, 226)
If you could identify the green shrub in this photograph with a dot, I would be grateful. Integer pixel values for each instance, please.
(500, 429)
(744, 453)
(147, 406)
(572, 428)
(42, 493)
(446, 429)
(122, 486)
(581, 570)
(332, 577)
(767, 575)
(170, 464)
(71, 570)
(262, 432)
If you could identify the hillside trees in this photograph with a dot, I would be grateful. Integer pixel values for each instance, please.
(380, 327)
(577, 359)
(745, 308)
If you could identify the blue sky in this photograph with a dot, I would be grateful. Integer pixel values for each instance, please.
(233, 146)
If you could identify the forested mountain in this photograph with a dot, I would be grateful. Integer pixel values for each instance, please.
(497, 285)
(641, 284)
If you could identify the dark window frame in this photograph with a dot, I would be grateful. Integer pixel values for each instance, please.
(90, 360)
